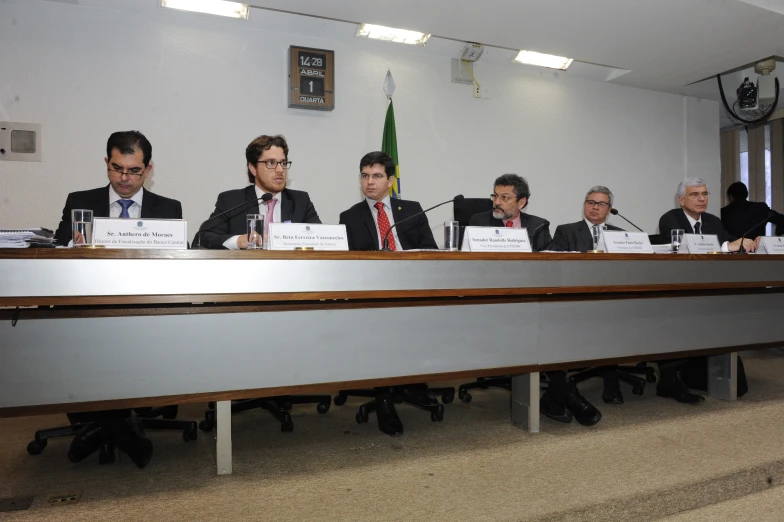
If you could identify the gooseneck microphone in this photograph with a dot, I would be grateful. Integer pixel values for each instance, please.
(535, 231)
(741, 250)
(265, 197)
(386, 236)
(614, 212)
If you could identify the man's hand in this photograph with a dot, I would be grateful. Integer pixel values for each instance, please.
(749, 245)
(242, 241)
(78, 238)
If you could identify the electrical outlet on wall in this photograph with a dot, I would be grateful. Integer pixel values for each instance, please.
(477, 90)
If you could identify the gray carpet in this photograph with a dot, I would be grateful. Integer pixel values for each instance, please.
(647, 459)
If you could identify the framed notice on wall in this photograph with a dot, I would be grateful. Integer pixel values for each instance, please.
(311, 78)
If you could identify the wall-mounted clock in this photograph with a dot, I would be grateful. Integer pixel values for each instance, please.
(311, 78)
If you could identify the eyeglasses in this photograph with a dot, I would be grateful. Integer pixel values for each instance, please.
(134, 173)
(503, 197)
(271, 164)
(695, 195)
(600, 204)
(377, 176)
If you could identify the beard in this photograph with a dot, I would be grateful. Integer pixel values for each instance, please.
(499, 214)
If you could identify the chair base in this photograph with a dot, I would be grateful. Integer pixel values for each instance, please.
(278, 407)
(400, 395)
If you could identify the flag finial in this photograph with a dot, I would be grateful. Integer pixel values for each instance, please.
(389, 85)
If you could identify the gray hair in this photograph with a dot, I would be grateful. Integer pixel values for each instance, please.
(602, 190)
(690, 182)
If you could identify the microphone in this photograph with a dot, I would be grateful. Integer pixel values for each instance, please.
(749, 231)
(614, 212)
(386, 236)
(265, 197)
(532, 235)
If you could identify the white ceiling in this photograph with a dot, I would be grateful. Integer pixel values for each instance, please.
(664, 44)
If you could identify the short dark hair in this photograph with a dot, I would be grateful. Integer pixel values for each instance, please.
(738, 191)
(518, 182)
(128, 142)
(378, 158)
(257, 147)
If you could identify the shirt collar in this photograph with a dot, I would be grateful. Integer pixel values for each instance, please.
(385, 201)
(591, 225)
(260, 193)
(692, 221)
(136, 198)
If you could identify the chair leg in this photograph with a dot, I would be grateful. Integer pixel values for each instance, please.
(277, 410)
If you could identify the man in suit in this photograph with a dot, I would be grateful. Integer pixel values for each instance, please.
(369, 221)
(578, 237)
(128, 163)
(740, 215)
(510, 196)
(268, 163)
(693, 219)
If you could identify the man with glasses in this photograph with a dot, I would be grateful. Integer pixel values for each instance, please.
(510, 196)
(128, 165)
(369, 221)
(268, 164)
(579, 236)
(693, 219)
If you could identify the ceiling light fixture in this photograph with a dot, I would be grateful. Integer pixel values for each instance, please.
(213, 7)
(543, 60)
(390, 34)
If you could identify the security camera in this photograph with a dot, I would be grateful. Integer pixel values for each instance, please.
(747, 96)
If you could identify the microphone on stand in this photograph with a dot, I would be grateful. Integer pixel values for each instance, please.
(266, 197)
(741, 250)
(532, 235)
(386, 236)
(614, 212)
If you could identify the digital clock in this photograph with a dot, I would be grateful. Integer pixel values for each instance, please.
(311, 78)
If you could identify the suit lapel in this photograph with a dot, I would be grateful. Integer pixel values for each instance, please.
(399, 214)
(585, 236)
(286, 207)
(366, 216)
(683, 221)
(149, 204)
(101, 203)
(250, 195)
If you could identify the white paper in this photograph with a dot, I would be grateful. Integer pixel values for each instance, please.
(771, 245)
(617, 242)
(290, 236)
(170, 234)
(699, 244)
(490, 239)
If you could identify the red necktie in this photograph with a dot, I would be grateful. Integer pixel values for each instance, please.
(510, 224)
(384, 226)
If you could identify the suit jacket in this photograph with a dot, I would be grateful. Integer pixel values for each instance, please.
(739, 216)
(295, 206)
(575, 237)
(538, 228)
(676, 218)
(97, 200)
(363, 234)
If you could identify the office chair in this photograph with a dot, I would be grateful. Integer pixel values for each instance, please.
(463, 209)
(412, 394)
(105, 422)
(278, 407)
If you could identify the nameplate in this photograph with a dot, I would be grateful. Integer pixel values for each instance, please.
(489, 239)
(700, 244)
(617, 242)
(771, 245)
(141, 233)
(291, 236)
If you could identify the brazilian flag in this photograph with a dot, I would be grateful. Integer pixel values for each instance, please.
(389, 145)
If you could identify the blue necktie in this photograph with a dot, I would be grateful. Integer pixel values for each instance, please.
(125, 204)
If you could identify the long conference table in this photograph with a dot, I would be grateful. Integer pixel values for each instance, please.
(95, 329)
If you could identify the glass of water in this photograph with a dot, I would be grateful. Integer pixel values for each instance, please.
(255, 231)
(451, 235)
(677, 239)
(82, 227)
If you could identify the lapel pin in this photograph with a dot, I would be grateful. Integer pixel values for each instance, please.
(400, 208)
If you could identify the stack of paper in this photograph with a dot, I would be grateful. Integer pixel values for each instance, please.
(23, 238)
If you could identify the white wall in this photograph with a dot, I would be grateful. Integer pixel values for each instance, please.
(202, 88)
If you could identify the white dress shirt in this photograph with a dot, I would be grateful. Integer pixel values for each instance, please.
(231, 243)
(373, 210)
(724, 246)
(134, 211)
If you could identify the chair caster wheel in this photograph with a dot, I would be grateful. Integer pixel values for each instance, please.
(464, 396)
(106, 456)
(638, 390)
(190, 435)
(36, 447)
(287, 426)
(340, 399)
(448, 397)
(362, 416)
(206, 425)
(322, 407)
(438, 415)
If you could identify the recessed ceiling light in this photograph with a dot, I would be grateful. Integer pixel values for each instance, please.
(543, 60)
(390, 34)
(213, 7)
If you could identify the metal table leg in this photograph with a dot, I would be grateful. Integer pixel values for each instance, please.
(723, 376)
(525, 401)
(223, 437)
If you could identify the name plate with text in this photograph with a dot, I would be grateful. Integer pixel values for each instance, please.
(489, 239)
(291, 236)
(700, 244)
(141, 233)
(771, 245)
(627, 242)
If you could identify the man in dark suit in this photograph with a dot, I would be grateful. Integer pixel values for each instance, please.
(268, 164)
(579, 236)
(510, 196)
(368, 222)
(740, 215)
(693, 219)
(128, 156)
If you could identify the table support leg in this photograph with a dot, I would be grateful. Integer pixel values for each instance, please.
(525, 401)
(223, 437)
(723, 376)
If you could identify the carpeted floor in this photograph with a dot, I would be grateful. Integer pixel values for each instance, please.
(647, 459)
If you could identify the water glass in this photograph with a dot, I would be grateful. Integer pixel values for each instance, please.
(82, 227)
(677, 238)
(255, 231)
(451, 235)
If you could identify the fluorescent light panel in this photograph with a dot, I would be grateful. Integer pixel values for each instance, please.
(213, 7)
(543, 60)
(390, 34)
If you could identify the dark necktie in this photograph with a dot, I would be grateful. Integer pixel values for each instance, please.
(698, 228)
(125, 204)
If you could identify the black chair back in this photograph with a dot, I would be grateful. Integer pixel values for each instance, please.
(467, 207)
